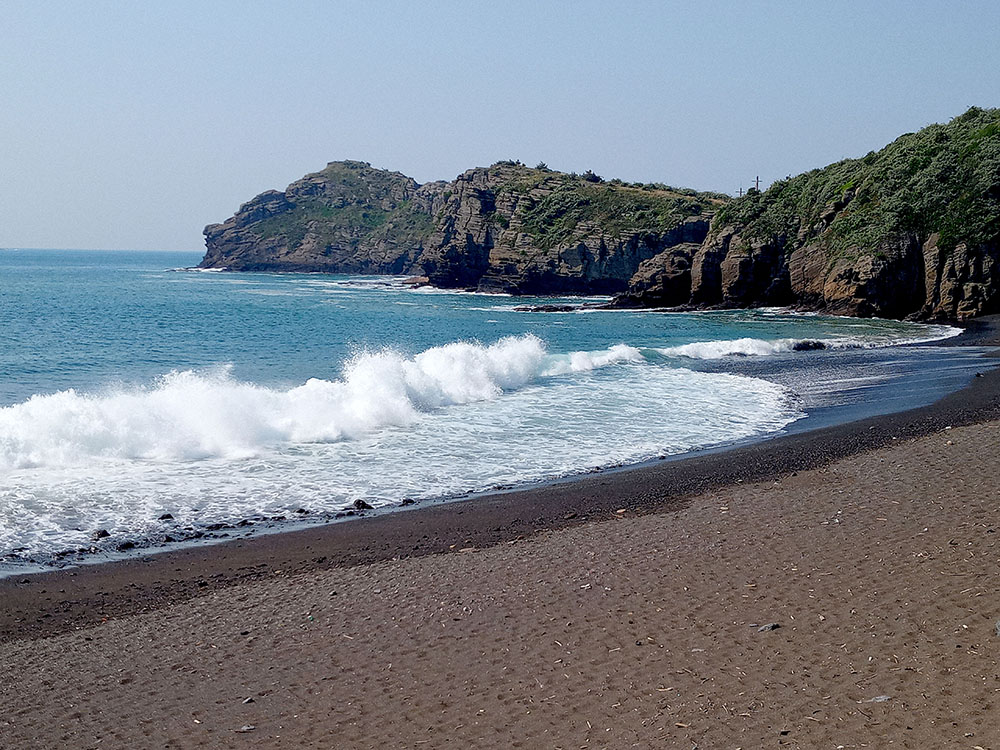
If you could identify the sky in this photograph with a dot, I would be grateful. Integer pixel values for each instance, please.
(132, 125)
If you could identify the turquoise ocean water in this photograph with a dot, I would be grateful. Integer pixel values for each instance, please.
(130, 390)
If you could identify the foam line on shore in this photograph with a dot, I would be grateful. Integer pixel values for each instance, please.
(754, 347)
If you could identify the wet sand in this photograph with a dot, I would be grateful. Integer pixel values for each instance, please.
(547, 618)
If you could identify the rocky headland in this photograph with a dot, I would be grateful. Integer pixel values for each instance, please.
(347, 218)
(504, 228)
(912, 230)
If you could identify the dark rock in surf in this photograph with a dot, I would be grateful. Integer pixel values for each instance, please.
(808, 346)
(546, 308)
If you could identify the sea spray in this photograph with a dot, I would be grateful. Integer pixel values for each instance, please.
(584, 361)
(190, 416)
(464, 417)
(345, 388)
(754, 347)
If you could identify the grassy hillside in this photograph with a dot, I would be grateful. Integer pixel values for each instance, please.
(944, 178)
(349, 198)
(613, 207)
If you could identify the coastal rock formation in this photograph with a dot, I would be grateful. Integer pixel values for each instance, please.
(506, 228)
(347, 218)
(910, 231)
(513, 229)
(663, 280)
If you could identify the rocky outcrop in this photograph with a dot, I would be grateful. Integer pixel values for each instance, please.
(504, 228)
(533, 231)
(663, 280)
(458, 250)
(728, 272)
(961, 282)
(911, 231)
(900, 278)
(347, 218)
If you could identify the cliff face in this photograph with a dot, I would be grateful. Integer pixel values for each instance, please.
(533, 231)
(503, 228)
(910, 231)
(347, 218)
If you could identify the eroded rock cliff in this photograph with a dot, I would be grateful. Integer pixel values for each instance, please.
(347, 218)
(910, 231)
(534, 231)
(505, 228)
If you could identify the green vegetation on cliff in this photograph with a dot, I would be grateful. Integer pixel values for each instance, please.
(354, 199)
(565, 202)
(346, 218)
(293, 224)
(910, 230)
(351, 217)
(615, 209)
(512, 228)
(944, 179)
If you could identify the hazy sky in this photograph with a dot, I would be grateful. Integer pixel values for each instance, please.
(134, 124)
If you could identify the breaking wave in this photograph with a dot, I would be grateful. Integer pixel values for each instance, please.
(188, 415)
(752, 347)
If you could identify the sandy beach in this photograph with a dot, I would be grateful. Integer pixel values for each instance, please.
(830, 589)
(550, 376)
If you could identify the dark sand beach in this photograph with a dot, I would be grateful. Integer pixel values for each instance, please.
(620, 610)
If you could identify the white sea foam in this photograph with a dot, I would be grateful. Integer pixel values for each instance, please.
(765, 347)
(583, 361)
(190, 415)
(718, 349)
(208, 448)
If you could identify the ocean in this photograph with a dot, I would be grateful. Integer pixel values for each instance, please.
(143, 405)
